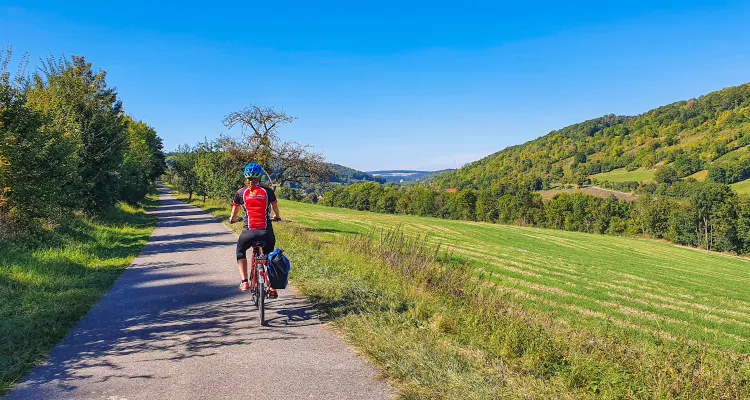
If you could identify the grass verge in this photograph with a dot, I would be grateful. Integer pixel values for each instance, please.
(436, 331)
(49, 282)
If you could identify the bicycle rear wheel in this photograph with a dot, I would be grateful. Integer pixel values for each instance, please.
(262, 302)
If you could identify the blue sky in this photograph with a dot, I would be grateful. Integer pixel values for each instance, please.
(418, 85)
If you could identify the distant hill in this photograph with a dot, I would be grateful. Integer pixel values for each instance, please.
(707, 136)
(407, 176)
(346, 175)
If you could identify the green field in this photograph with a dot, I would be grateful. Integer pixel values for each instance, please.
(623, 175)
(700, 176)
(742, 187)
(657, 291)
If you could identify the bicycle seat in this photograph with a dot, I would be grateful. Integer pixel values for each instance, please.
(258, 243)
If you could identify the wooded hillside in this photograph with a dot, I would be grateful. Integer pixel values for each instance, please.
(710, 133)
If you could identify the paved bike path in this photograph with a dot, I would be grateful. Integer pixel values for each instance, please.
(174, 326)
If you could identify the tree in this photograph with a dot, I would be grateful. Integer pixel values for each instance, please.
(143, 161)
(743, 223)
(423, 200)
(717, 174)
(219, 171)
(556, 172)
(666, 174)
(707, 202)
(32, 153)
(651, 215)
(184, 161)
(260, 125)
(581, 176)
(387, 202)
(683, 226)
(486, 206)
(81, 104)
(363, 197)
(686, 165)
(293, 162)
(285, 162)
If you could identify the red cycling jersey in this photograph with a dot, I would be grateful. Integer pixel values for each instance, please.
(256, 201)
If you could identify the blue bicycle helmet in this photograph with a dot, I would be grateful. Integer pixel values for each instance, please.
(253, 171)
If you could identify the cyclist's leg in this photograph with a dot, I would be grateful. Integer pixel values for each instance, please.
(243, 244)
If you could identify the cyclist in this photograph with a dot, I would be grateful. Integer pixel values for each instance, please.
(257, 202)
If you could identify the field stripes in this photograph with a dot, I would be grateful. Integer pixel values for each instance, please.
(657, 289)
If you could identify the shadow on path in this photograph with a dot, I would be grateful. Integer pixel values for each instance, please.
(169, 306)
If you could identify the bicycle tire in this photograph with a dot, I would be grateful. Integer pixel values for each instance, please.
(254, 288)
(262, 302)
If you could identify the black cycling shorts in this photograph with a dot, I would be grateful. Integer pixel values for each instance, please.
(250, 237)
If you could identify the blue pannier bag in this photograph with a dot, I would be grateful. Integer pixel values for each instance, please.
(278, 269)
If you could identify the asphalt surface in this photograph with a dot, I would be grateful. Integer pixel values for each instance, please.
(174, 326)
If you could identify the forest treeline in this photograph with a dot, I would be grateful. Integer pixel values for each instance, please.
(700, 214)
(66, 144)
(710, 133)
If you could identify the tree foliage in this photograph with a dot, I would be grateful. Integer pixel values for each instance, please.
(699, 214)
(666, 174)
(79, 103)
(66, 145)
(713, 130)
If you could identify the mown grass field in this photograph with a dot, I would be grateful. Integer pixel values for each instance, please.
(49, 282)
(623, 175)
(700, 176)
(591, 190)
(658, 291)
(742, 187)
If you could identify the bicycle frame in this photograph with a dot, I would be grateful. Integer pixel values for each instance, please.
(259, 263)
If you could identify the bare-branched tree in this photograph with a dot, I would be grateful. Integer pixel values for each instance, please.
(259, 128)
(295, 162)
(286, 162)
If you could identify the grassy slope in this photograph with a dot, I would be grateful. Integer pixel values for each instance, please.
(48, 286)
(592, 190)
(434, 338)
(622, 175)
(699, 176)
(657, 290)
(742, 187)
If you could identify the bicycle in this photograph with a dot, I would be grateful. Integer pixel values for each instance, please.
(258, 280)
(258, 270)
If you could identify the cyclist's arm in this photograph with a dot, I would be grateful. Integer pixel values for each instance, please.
(275, 207)
(235, 210)
(236, 204)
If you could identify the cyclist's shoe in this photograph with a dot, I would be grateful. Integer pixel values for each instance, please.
(272, 293)
(244, 286)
